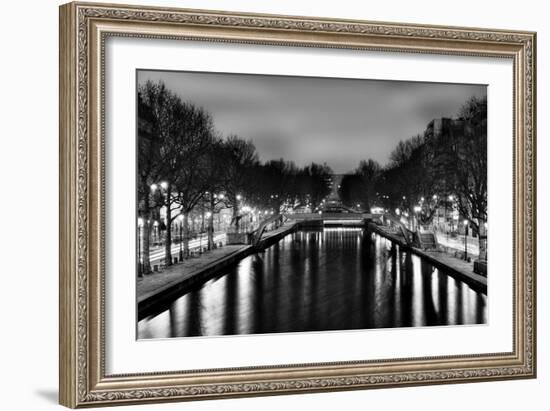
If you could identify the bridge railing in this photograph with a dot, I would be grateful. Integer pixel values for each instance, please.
(280, 219)
(332, 216)
(277, 219)
(395, 222)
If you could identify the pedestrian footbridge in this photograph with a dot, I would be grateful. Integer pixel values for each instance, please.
(328, 218)
(423, 240)
(311, 220)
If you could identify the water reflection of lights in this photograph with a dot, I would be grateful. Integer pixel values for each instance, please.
(155, 327)
(419, 315)
(343, 222)
(452, 294)
(435, 289)
(245, 297)
(308, 278)
(471, 303)
(214, 299)
(355, 229)
(397, 316)
(466, 302)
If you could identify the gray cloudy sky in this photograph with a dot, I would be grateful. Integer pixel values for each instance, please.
(305, 119)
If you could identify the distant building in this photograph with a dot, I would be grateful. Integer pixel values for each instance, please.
(447, 140)
(336, 181)
(444, 136)
(333, 201)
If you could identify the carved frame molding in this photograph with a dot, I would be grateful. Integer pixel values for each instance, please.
(83, 30)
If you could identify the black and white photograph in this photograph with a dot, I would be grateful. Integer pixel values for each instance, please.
(288, 204)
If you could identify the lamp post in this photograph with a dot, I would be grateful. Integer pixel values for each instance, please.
(200, 243)
(140, 265)
(244, 211)
(236, 214)
(180, 218)
(436, 226)
(416, 211)
(220, 197)
(156, 231)
(465, 239)
(200, 237)
(450, 200)
(209, 230)
(164, 192)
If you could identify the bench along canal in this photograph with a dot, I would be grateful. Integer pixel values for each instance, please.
(317, 280)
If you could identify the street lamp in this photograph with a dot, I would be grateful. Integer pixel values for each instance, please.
(465, 239)
(140, 265)
(156, 230)
(416, 211)
(209, 227)
(243, 212)
(446, 224)
(165, 195)
(200, 237)
(180, 218)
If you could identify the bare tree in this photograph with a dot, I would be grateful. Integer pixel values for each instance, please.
(154, 102)
(471, 169)
(406, 180)
(190, 166)
(314, 183)
(215, 198)
(239, 159)
(172, 164)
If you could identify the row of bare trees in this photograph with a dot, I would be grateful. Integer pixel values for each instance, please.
(444, 166)
(184, 163)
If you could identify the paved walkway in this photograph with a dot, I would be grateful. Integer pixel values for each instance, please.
(457, 243)
(151, 284)
(269, 236)
(156, 253)
(462, 269)
(176, 279)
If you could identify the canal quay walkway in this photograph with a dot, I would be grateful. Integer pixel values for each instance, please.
(459, 268)
(158, 287)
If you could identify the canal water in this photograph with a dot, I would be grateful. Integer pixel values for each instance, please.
(330, 279)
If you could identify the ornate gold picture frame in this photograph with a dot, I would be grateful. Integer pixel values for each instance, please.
(84, 30)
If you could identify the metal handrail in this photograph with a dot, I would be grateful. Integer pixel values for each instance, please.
(404, 230)
(257, 234)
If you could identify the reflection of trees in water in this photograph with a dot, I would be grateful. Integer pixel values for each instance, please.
(326, 280)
